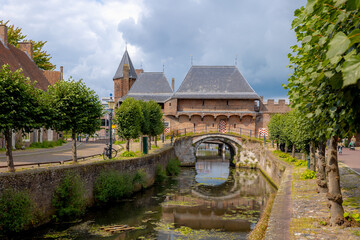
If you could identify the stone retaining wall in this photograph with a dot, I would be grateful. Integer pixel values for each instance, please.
(41, 183)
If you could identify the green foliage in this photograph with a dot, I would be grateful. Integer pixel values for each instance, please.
(324, 85)
(160, 174)
(155, 118)
(129, 119)
(69, 198)
(21, 105)
(16, 211)
(40, 56)
(287, 158)
(76, 108)
(352, 215)
(128, 154)
(112, 186)
(119, 142)
(140, 178)
(47, 144)
(308, 174)
(173, 167)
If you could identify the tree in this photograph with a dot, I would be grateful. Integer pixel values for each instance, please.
(76, 108)
(129, 118)
(155, 119)
(40, 56)
(324, 85)
(20, 108)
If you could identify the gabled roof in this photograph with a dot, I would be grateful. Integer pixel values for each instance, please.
(18, 59)
(125, 60)
(215, 82)
(150, 86)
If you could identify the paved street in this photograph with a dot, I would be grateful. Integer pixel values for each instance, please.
(53, 154)
(351, 158)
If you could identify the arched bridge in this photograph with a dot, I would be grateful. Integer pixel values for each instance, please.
(243, 151)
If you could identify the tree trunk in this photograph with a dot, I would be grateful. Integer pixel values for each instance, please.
(128, 145)
(321, 170)
(303, 156)
(9, 156)
(333, 180)
(312, 156)
(156, 141)
(286, 147)
(277, 145)
(293, 151)
(74, 157)
(149, 142)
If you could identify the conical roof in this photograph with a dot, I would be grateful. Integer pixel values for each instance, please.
(150, 86)
(125, 60)
(215, 82)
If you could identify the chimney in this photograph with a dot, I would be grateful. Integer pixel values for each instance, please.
(3, 34)
(61, 72)
(27, 47)
(173, 84)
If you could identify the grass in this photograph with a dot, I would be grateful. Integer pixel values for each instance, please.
(47, 144)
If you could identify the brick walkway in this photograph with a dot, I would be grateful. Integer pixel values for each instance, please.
(309, 211)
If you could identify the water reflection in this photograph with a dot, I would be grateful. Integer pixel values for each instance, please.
(211, 196)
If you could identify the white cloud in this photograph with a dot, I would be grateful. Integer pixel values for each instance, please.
(88, 37)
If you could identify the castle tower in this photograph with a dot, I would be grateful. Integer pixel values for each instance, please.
(124, 78)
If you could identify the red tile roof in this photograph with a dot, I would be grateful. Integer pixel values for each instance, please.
(18, 59)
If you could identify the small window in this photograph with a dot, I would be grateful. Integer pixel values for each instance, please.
(203, 103)
(170, 104)
(234, 125)
(227, 102)
(212, 125)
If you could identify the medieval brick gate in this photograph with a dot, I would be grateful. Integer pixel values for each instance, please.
(244, 152)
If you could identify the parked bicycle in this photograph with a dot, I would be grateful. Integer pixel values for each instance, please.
(106, 152)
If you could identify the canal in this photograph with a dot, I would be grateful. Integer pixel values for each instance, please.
(211, 201)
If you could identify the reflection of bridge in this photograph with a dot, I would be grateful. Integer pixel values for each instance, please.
(187, 146)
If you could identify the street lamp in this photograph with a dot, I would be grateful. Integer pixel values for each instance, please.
(111, 107)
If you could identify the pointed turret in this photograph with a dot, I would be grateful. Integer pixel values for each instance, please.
(125, 77)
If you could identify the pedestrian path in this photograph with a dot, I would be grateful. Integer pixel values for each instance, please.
(350, 158)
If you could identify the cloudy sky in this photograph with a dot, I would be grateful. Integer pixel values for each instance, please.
(88, 37)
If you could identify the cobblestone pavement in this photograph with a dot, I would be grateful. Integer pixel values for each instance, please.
(310, 214)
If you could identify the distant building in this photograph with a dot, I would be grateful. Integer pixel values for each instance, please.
(210, 98)
(22, 58)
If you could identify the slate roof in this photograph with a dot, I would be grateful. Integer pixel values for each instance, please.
(150, 86)
(215, 82)
(19, 59)
(125, 60)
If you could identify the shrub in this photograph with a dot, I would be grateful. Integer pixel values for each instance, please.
(69, 199)
(47, 144)
(173, 167)
(140, 178)
(128, 154)
(160, 174)
(119, 142)
(112, 186)
(16, 210)
(301, 163)
(308, 174)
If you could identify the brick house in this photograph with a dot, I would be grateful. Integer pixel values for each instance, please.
(209, 98)
(22, 58)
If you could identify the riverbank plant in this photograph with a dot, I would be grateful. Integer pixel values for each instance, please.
(112, 185)
(69, 199)
(16, 210)
(128, 154)
(140, 177)
(287, 158)
(173, 167)
(160, 174)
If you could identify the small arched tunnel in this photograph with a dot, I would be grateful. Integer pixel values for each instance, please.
(232, 145)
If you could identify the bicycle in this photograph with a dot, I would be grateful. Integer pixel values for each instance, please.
(106, 152)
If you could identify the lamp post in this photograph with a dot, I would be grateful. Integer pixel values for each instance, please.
(111, 107)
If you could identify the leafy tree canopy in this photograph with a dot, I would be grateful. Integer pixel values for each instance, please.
(76, 108)
(129, 119)
(40, 56)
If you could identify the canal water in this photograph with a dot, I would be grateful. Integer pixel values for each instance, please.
(210, 201)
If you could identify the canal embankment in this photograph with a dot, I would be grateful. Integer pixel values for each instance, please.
(41, 184)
